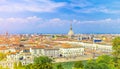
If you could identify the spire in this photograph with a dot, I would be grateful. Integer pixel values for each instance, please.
(71, 26)
(71, 33)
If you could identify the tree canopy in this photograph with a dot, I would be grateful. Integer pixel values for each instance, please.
(78, 64)
(116, 51)
(2, 56)
(42, 59)
(59, 66)
(41, 62)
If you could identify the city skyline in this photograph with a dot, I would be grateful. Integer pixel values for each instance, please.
(55, 16)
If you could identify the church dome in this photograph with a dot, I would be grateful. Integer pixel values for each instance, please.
(70, 33)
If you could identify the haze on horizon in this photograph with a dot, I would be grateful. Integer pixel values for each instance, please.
(55, 16)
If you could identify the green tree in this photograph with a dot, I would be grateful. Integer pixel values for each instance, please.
(46, 66)
(42, 59)
(105, 59)
(59, 66)
(116, 51)
(91, 64)
(42, 62)
(102, 62)
(1, 67)
(102, 66)
(39, 66)
(118, 64)
(29, 66)
(78, 65)
(2, 56)
(19, 64)
(15, 65)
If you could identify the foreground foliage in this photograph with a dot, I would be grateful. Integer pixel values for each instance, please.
(42, 62)
(2, 56)
(116, 52)
(59, 66)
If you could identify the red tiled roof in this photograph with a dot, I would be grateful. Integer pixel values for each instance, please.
(3, 48)
(38, 47)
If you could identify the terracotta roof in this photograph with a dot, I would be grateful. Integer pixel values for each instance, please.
(66, 45)
(3, 48)
(11, 53)
(38, 47)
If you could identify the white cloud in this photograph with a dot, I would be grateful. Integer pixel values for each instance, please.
(29, 5)
(103, 21)
(30, 23)
(18, 24)
(36, 23)
(32, 19)
(55, 22)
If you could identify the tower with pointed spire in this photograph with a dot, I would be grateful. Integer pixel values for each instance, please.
(71, 33)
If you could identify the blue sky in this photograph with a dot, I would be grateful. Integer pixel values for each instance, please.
(55, 16)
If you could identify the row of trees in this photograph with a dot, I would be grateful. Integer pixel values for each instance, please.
(43, 62)
(102, 62)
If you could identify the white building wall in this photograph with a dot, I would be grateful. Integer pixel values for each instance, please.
(71, 52)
